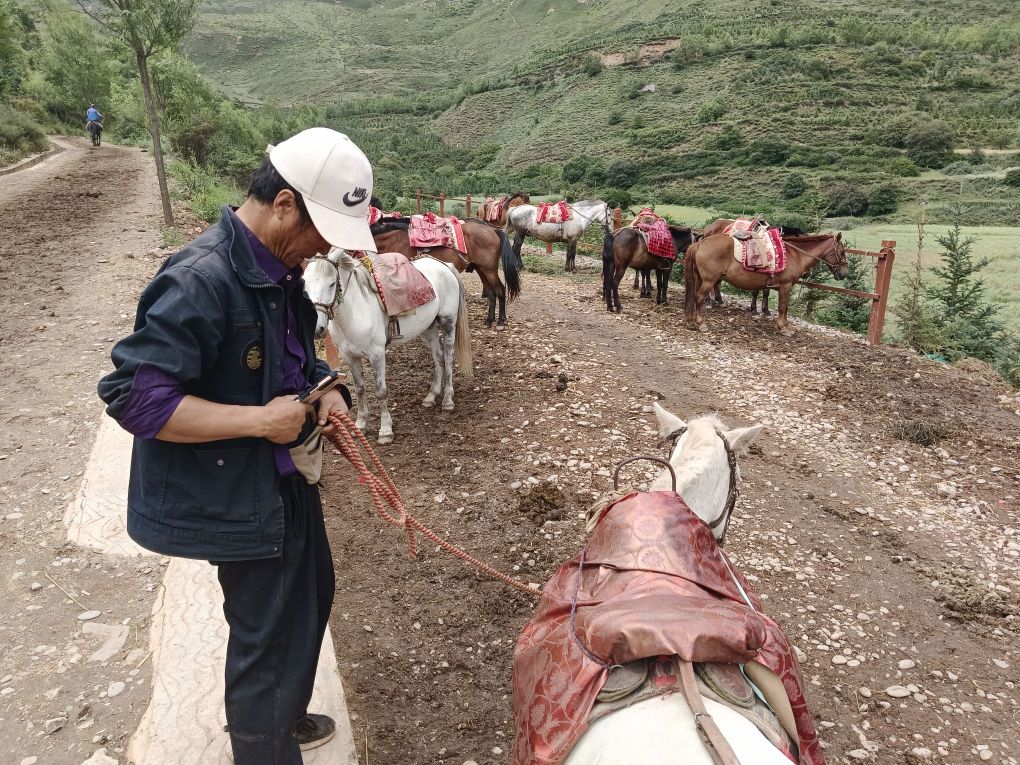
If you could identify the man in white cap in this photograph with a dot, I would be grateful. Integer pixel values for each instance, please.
(226, 459)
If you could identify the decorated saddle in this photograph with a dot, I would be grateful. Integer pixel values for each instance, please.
(429, 230)
(401, 287)
(651, 582)
(655, 229)
(375, 215)
(554, 212)
(492, 209)
(758, 246)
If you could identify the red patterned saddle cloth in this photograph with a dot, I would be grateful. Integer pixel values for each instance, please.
(657, 237)
(375, 215)
(492, 209)
(554, 212)
(652, 581)
(429, 230)
(401, 286)
(757, 246)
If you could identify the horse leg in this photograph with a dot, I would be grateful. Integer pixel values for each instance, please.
(568, 266)
(431, 338)
(501, 296)
(661, 285)
(718, 294)
(382, 393)
(490, 296)
(357, 368)
(615, 304)
(765, 302)
(637, 279)
(449, 342)
(753, 310)
(784, 302)
(703, 293)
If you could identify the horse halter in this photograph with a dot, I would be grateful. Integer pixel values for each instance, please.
(338, 295)
(821, 258)
(731, 493)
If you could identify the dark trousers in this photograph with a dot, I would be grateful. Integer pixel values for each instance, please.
(277, 610)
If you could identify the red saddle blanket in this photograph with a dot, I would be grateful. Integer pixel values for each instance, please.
(758, 246)
(651, 581)
(657, 237)
(375, 215)
(492, 209)
(554, 212)
(429, 230)
(400, 285)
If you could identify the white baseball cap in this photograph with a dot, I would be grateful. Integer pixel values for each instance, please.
(335, 178)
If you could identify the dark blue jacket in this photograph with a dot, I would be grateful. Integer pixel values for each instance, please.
(209, 319)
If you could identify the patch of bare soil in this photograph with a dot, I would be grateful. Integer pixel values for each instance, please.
(74, 233)
(887, 562)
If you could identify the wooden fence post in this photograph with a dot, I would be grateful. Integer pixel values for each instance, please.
(617, 219)
(467, 205)
(883, 278)
(548, 248)
(417, 202)
(442, 205)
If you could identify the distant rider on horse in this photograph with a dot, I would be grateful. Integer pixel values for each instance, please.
(94, 123)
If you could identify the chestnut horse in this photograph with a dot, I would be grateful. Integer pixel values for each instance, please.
(503, 204)
(486, 246)
(711, 260)
(717, 228)
(630, 250)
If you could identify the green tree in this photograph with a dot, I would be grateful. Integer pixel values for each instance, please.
(847, 199)
(930, 143)
(883, 199)
(1012, 178)
(621, 174)
(77, 66)
(574, 170)
(847, 311)
(147, 27)
(769, 150)
(795, 186)
(965, 315)
(13, 62)
(726, 139)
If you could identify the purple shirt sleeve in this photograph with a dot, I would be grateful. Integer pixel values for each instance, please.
(154, 396)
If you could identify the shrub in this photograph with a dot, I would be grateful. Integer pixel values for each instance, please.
(617, 198)
(592, 65)
(203, 190)
(930, 144)
(621, 174)
(904, 167)
(595, 175)
(768, 151)
(847, 199)
(712, 111)
(726, 139)
(615, 117)
(19, 134)
(1012, 178)
(882, 199)
(574, 170)
(795, 186)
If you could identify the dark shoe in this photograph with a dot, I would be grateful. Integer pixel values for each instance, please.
(314, 730)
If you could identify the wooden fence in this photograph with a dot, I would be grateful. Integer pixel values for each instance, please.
(883, 265)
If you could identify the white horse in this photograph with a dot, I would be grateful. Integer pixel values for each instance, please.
(661, 730)
(522, 221)
(344, 296)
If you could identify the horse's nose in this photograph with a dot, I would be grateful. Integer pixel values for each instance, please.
(320, 332)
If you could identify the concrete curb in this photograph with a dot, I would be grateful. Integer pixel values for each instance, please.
(38, 159)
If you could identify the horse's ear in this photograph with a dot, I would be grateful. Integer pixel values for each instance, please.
(669, 423)
(839, 236)
(740, 439)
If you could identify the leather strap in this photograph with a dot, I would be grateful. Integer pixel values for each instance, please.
(711, 736)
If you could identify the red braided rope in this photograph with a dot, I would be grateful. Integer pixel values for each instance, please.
(388, 503)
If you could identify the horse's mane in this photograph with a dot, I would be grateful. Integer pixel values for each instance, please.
(809, 237)
(386, 225)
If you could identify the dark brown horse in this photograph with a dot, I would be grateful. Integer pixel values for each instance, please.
(629, 250)
(711, 260)
(503, 205)
(486, 247)
(717, 228)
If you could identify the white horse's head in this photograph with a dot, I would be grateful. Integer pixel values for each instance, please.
(323, 285)
(701, 458)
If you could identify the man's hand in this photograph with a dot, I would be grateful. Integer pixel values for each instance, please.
(283, 418)
(330, 402)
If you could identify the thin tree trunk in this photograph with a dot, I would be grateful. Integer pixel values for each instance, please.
(157, 146)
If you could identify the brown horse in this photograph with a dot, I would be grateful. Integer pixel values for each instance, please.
(630, 250)
(503, 205)
(711, 260)
(486, 247)
(717, 228)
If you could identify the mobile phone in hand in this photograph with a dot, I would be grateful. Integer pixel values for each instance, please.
(325, 385)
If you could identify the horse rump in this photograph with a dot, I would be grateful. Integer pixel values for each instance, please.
(511, 267)
(462, 343)
(692, 282)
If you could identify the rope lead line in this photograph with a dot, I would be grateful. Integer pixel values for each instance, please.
(390, 506)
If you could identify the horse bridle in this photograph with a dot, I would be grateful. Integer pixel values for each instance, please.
(819, 258)
(731, 493)
(338, 294)
(589, 218)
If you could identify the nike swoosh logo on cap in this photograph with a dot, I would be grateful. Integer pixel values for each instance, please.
(358, 197)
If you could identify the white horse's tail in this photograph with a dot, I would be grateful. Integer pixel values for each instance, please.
(462, 348)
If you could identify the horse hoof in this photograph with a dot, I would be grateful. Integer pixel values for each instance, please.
(786, 332)
(448, 407)
(428, 403)
(385, 440)
(702, 328)
(501, 326)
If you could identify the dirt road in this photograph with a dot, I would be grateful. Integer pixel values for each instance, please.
(881, 575)
(73, 236)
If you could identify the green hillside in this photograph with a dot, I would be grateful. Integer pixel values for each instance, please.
(480, 95)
